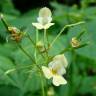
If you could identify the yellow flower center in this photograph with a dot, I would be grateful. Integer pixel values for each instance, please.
(54, 71)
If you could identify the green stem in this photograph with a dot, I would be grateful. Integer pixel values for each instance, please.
(65, 50)
(28, 56)
(16, 68)
(71, 48)
(46, 43)
(62, 30)
(4, 22)
(35, 54)
(28, 36)
(26, 53)
(45, 37)
(37, 35)
(80, 34)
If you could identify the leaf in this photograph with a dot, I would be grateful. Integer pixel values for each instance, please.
(88, 85)
(7, 90)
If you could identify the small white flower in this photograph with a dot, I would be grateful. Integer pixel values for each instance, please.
(56, 69)
(44, 19)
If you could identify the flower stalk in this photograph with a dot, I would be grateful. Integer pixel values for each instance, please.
(62, 30)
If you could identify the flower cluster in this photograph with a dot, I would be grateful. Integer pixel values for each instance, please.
(57, 67)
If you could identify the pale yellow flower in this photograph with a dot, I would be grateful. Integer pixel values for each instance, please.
(44, 19)
(56, 69)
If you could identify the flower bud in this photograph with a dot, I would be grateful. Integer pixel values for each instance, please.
(16, 34)
(75, 42)
(13, 30)
(40, 46)
(50, 92)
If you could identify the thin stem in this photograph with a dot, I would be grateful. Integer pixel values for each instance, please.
(22, 49)
(4, 22)
(65, 50)
(35, 54)
(62, 30)
(15, 69)
(45, 43)
(80, 34)
(31, 40)
(26, 53)
(45, 37)
(71, 48)
(37, 35)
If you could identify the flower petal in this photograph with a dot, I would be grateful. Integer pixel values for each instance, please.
(47, 72)
(37, 25)
(49, 19)
(39, 19)
(48, 25)
(58, 80)
(62, 71)
(61, 58)
(45, 12)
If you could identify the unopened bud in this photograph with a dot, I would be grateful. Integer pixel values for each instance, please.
(13, 29)
(40, 46)
(50, 92)
(16, 34)
(75, 42)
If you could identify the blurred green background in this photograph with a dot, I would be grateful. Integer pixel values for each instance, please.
(81, 72)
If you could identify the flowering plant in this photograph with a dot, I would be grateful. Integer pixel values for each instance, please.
(53, 66)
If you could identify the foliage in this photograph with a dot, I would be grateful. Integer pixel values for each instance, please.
(22, 79)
